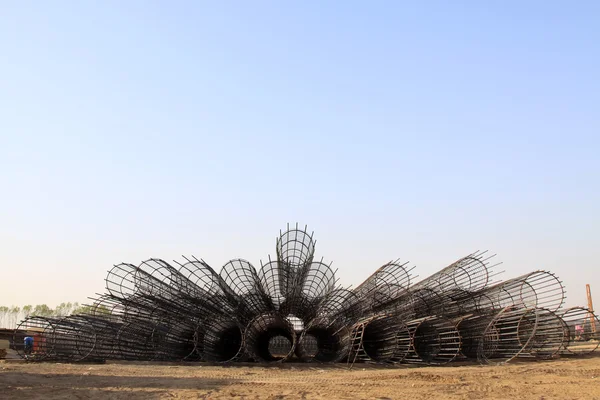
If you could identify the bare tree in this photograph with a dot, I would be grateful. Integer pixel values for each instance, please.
(3, 315)
(60, 310)
(14, 316)
(11, 316)
(27, 310)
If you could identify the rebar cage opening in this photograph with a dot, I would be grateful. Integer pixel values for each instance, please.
(324, 344)
(270, 337)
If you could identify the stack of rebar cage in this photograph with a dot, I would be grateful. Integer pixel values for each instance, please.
(292, 309)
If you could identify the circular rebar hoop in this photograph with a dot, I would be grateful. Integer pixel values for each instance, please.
(270, 338)
(340, 305)
(220, 340)
(540, 289)
(202, 275)
(319, 281)
(41, 329)
(304, 301)
(483, 304)
(470, 329)
(170, 290)
(388, 283)
(155, 285)
(302, 291)
(173, 340)
(307, 347)
(243, 280)
(139, 307)
(507, 336)
(106, 315)
(270, 280)
(120, 281)
(162, 279)
(470, 273)
(324, 343)
(549, 336)
(421, 303)
(459, 302)
(73, 339)
(435, 340)
(134, 341)
(382, 339)
(169, 283)
(582, 331)
(107, 330)
(210, 287)
(295, 248)
(105, 307)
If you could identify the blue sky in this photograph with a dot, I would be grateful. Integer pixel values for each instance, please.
(423, 130)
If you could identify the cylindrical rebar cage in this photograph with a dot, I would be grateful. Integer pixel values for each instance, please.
(435, 340)
(582, 331)
(324, 343)
(220, 340)
(379, 339)
(270, 337)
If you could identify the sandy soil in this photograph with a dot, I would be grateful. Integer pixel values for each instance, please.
(565, 378)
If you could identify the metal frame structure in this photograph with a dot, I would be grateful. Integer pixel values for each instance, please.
(292, 308)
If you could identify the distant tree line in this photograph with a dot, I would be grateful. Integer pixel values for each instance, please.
(11, 316)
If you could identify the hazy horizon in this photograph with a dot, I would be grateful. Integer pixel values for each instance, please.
(393, 130)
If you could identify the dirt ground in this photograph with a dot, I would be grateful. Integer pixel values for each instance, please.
(565, 378)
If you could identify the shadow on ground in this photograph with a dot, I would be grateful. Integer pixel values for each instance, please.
(19, 385)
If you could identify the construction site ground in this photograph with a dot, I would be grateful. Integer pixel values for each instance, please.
(566, 378)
